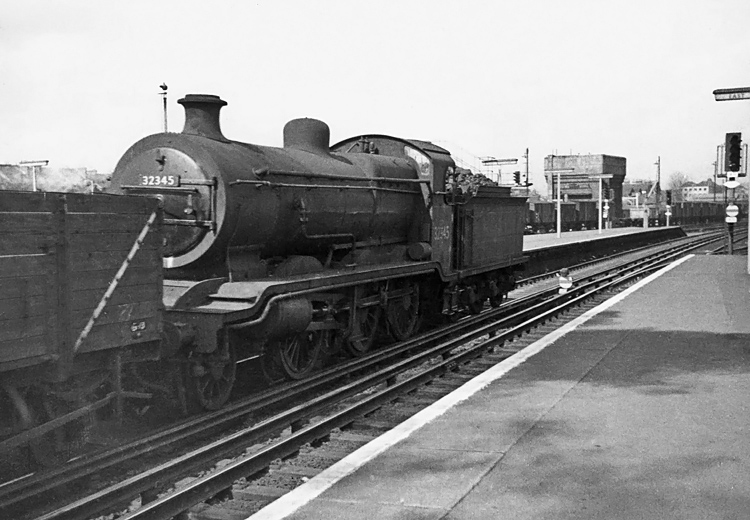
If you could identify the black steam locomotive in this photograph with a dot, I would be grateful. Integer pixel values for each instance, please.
(295, 253)
(289, 255)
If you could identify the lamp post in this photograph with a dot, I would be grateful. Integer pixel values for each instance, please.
(559, 199)
(713, 188)
(163, 94)
(601, 178)
(600, 204)
(32, 168)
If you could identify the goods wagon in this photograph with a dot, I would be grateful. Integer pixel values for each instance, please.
(544, 216)
(587, 214)
(80, 294)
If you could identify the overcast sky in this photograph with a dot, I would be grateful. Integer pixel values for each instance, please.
(79, 80)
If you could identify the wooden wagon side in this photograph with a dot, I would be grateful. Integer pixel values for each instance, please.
(80, 292)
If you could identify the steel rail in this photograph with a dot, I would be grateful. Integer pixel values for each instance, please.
(32, 486)
(35, 485)
(213, 483)
(124, 491)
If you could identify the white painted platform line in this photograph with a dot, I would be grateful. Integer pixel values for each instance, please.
(305, 493)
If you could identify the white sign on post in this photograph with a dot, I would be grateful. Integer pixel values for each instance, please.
(731, 184)
(732, 212)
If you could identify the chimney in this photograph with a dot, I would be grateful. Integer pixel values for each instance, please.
(202, 115)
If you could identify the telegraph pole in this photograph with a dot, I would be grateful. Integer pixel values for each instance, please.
(658, 182)
(526, 156)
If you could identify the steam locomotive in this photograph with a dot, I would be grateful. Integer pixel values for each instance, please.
(295, 253)
(289, 255)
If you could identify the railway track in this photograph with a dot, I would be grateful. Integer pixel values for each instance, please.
(343, 395)
(739, 242)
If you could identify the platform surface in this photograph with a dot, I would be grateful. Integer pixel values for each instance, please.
(545, 240)
(641, 410)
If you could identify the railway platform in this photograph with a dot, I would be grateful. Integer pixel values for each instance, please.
(638, 409)
(546, 252)
(547, 240)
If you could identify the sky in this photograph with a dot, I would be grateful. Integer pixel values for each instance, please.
(79, 80)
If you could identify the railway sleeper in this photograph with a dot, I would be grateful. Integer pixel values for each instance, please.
(259, 493)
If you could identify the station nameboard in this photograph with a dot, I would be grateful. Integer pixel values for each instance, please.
(730, 94)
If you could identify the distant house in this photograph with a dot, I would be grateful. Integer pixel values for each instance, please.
(707, 191)
(696, 191)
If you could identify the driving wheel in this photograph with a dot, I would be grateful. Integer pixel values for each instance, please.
(402, 313)
(211, 377)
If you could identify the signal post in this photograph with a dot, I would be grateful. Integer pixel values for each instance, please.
(735, 161)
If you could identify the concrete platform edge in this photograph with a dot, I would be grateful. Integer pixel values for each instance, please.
(305, 493)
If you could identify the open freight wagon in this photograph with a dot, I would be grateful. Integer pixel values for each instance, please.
(80, 294)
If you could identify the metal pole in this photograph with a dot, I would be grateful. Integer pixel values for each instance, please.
(163, 94)
(559, 222)
(730, 238)
(600, 205)
(527, 172)
(165, 113)
(748, 217)
(658, 182)
(33, 168)
(552, 172)
(713, 188)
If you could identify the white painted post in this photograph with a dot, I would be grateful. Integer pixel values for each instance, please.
(559, 223)
(600, 205)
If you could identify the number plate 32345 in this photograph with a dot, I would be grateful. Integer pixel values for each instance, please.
(160, 180)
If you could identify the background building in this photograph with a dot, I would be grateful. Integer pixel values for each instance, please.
(38, 176)
(583, 182)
